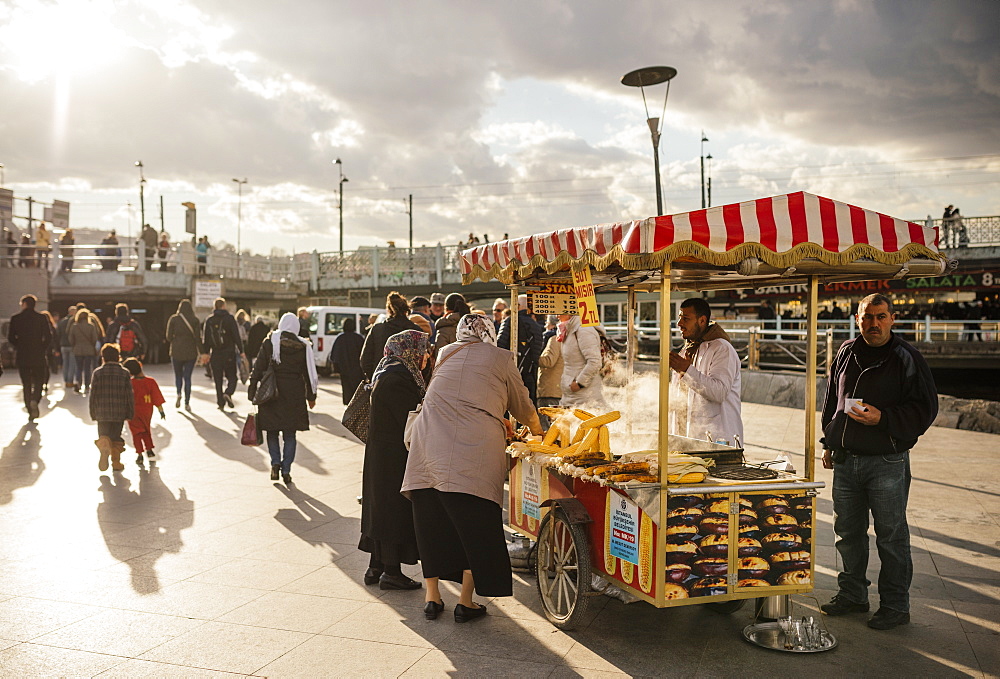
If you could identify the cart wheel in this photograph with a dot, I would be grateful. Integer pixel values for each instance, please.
(563, 570)
(727, 607)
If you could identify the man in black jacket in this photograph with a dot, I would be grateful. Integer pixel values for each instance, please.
(223, 344)
(30, 334)
(880, 399)
(255, 338)
(529, 345)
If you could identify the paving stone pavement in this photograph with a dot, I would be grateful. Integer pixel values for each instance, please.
(200, 566)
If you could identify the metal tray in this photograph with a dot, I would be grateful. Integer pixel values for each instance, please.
(769, 635)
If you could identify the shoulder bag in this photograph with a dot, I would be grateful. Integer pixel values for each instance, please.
(411, 417)
(358, 411)
(267, 388)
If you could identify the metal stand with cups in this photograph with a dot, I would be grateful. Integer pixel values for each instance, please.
(783, 630)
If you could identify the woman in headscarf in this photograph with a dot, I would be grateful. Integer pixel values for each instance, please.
(346, 358)
(386, 516)
(295, 374)
(184, 342)
(456, 468)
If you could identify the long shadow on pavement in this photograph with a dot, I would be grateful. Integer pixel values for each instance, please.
(20, 463)
(226, 443)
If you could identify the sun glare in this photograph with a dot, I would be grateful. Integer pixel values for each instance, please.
(40, 40)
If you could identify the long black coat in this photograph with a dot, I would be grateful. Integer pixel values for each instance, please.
(31, 335)
(346, 356)
(288, 411)
(387, 516)
(378, 335)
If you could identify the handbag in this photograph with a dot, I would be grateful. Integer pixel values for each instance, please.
(243, 365)
(411, 417)
(358, 411)
(267, 388)
(252, 436)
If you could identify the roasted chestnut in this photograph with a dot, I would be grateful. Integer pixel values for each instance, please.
(681, 532)
(680, 551)
(708, 586)
(672, 590)
(778, 523)
(752, 582)
(710, 566)
(780, 542)
(748, 547)
(678, 572)
(753, 567)
(714, 545)
(714, 525)
(788, 561)
(796, 577)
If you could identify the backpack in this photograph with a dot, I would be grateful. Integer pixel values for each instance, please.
(218, 333)
(128, 340)
(609, 356)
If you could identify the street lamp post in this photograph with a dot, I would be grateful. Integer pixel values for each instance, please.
(709, 159)
(703, 140)
(239, 223)
(142, 196)
(642, 78)
(340, 202)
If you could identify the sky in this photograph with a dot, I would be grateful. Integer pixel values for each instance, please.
(496, 117)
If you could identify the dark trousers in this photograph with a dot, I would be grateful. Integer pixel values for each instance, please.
(33, 378)
(223, 366)
(879, 484)
(112, 429)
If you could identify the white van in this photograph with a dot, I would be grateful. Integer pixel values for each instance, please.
(326, 323)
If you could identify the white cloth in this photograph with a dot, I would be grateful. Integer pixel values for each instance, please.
(290, 323)
(581, 353)
(712, 386)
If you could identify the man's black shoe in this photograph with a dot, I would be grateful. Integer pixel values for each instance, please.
(229, 400)
(887, 618)
(839, 606)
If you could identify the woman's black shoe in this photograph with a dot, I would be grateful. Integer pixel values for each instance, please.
(275, 470)
(372, 575)
(397, 582)
(463, 614)
(432, 609)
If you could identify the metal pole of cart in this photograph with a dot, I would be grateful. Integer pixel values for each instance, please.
(631, 349)
(663, 439)
(812, 336)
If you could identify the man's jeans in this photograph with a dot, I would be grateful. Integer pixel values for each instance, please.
(223, 366)
(68, 364)
(879, 484)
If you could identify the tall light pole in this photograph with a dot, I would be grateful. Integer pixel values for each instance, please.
(642, 78)
(142, 196)
(709, 159)
(703, 140)
(340, 202)
(239, 222)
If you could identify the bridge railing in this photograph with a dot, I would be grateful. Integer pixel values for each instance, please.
(967, 232)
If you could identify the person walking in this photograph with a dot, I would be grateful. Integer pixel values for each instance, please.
(581, 378)
(387, 532)
(162, 249)
(30, 333)
(111, 254)
(456, 468)
(27, 252)
(66, 347)
(126, 332)
(52, 355)
(184, 346)
(397, 320)
(305, 320)
(222, 347)
(84, 337)
(346, 358)
(43, 245)
(147, 396)
(297, 382)
(881, 398)
(66, 244)
(255, 338)
(148, 240)
(201, 250)
(446, 327)
(112, 402)
(420, 308)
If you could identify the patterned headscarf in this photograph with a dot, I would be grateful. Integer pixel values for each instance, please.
(476, 327)
(405, 349)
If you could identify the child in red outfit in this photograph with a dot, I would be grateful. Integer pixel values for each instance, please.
(147, 394)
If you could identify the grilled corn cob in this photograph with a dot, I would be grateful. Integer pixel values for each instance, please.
(606, 418)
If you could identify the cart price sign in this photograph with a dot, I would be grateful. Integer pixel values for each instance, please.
(586, 300)
(624, 539)
(531, 489)
(556, 298)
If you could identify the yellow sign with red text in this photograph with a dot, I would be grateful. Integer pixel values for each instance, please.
(586, 300)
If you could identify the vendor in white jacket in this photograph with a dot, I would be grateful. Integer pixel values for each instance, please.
(705, 392)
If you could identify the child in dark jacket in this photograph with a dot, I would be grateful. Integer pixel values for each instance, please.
(111, 403)
(147, 395)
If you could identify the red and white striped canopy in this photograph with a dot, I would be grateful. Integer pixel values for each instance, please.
(780, 230)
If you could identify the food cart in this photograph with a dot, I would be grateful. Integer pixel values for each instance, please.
(670, 542)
